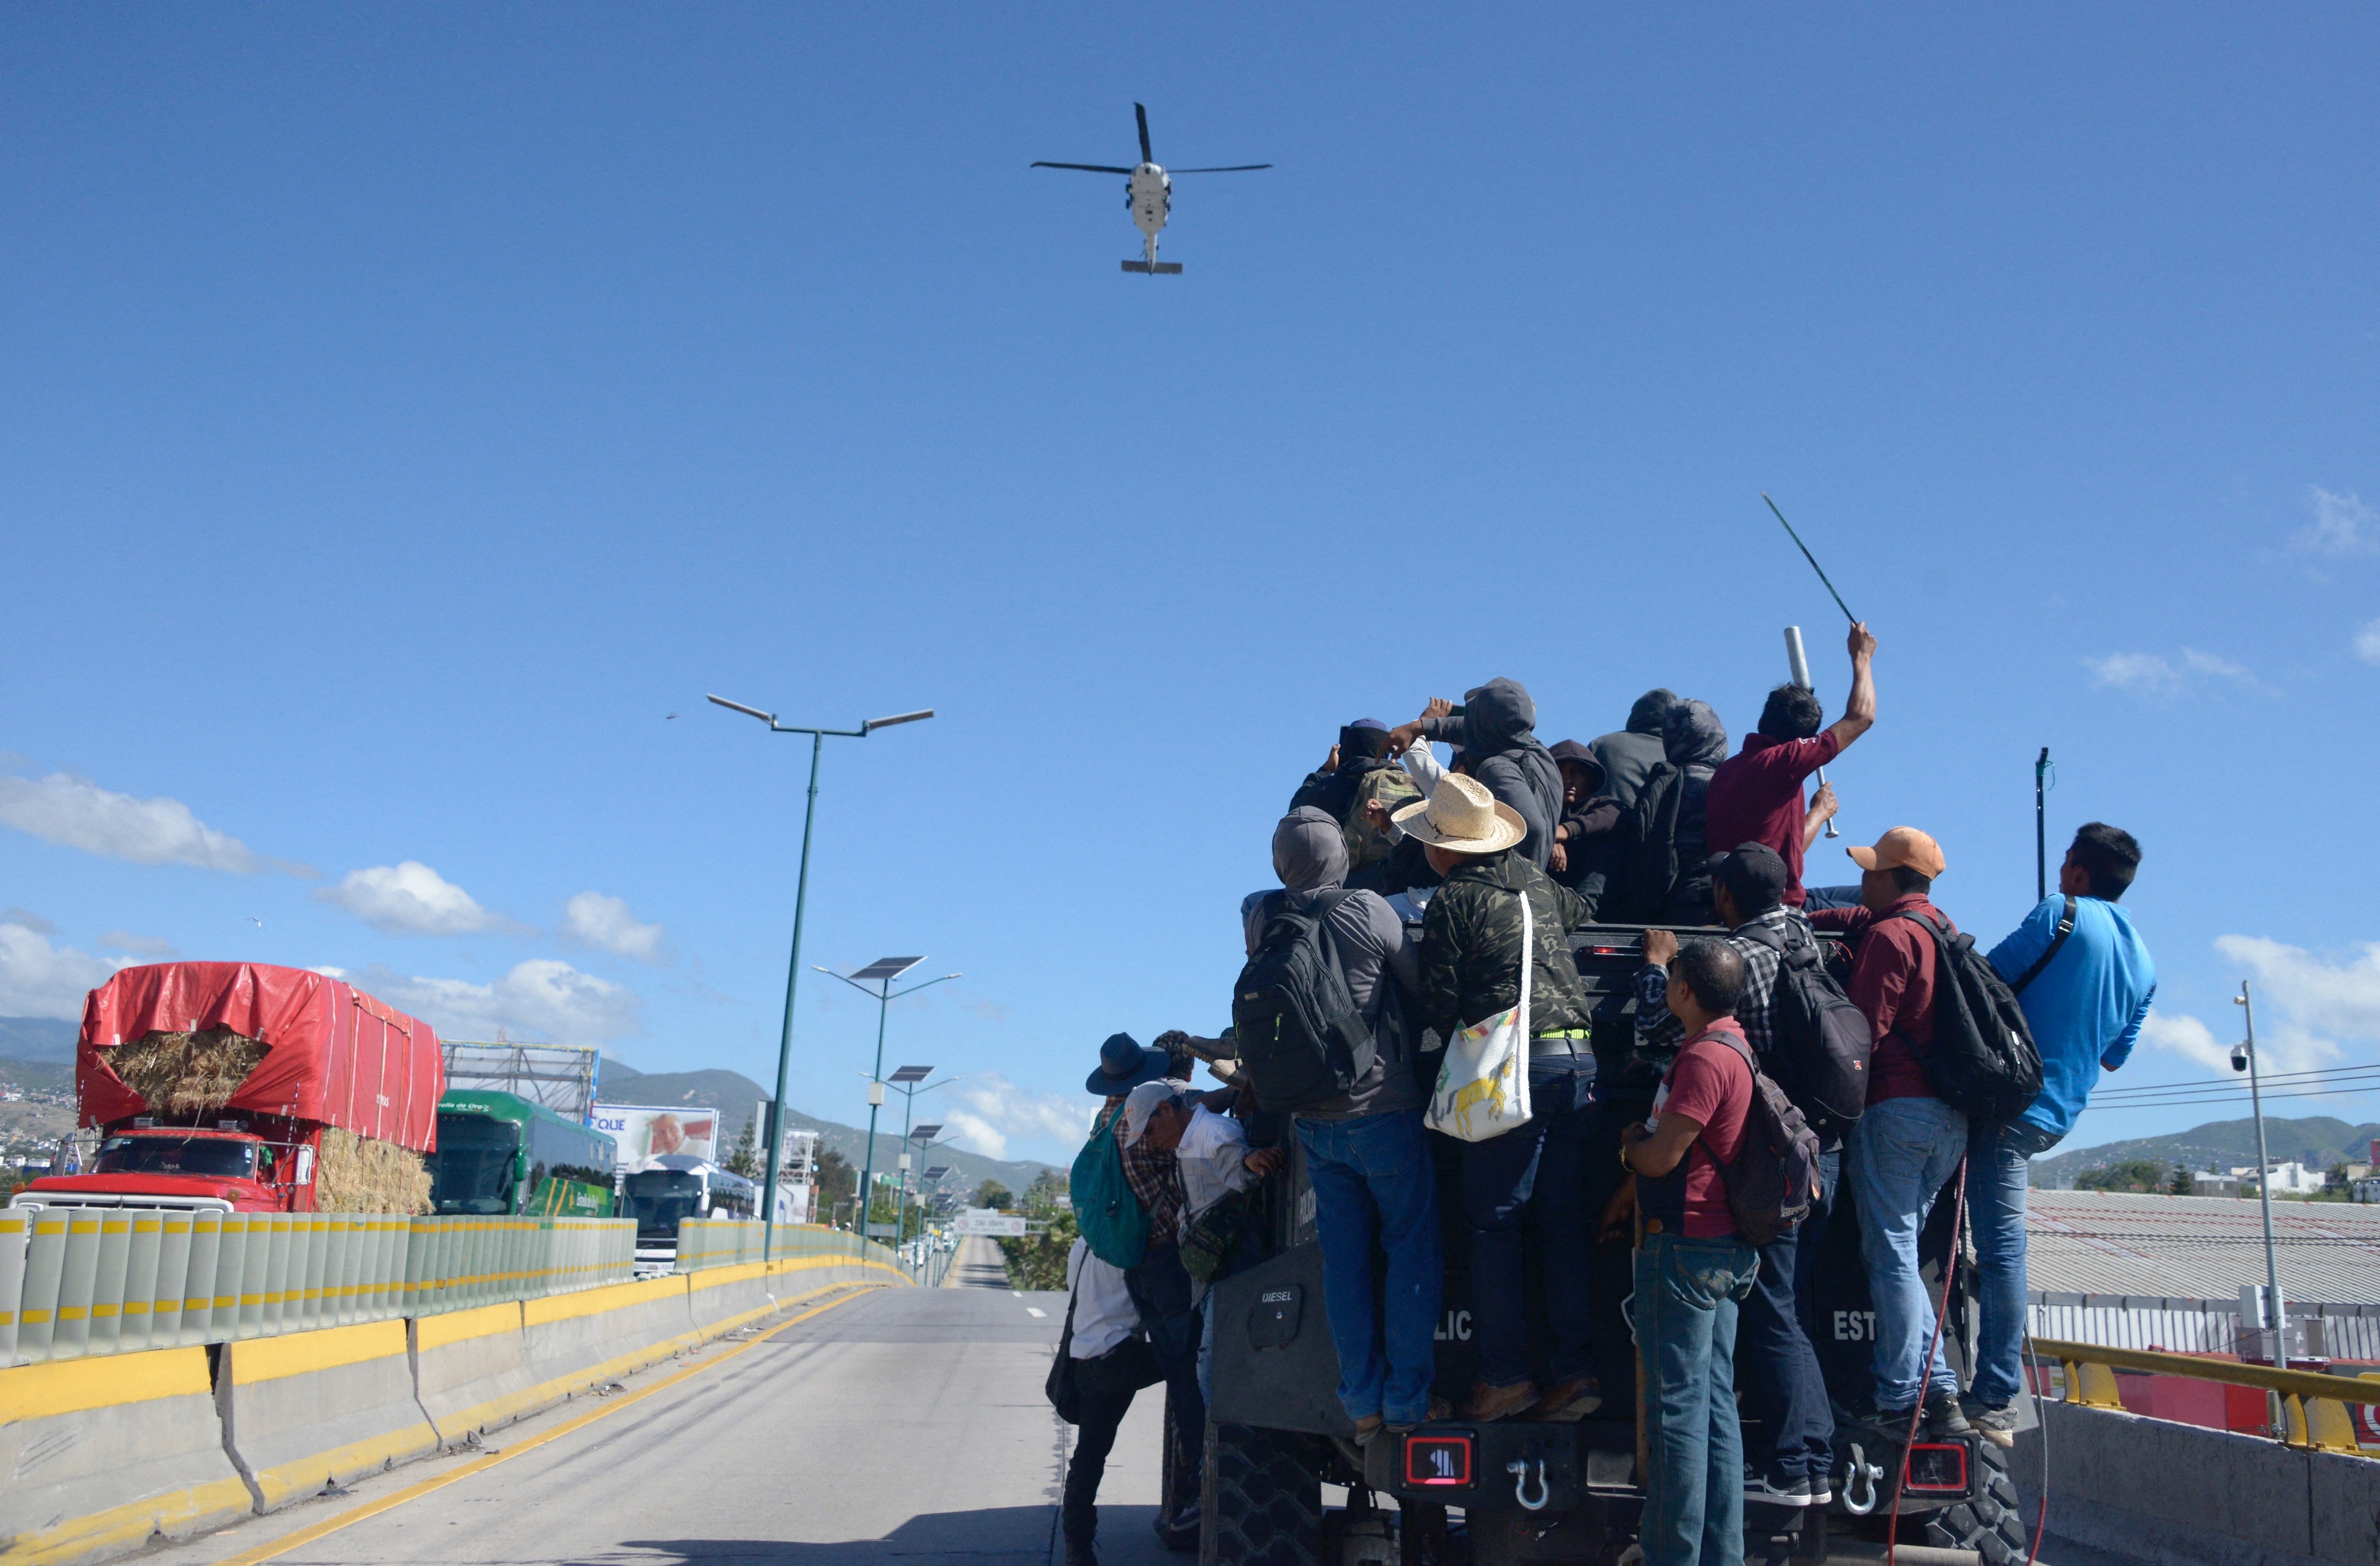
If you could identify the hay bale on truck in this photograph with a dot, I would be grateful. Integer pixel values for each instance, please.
(242, 1087)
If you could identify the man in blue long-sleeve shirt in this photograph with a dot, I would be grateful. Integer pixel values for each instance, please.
(2084, 980)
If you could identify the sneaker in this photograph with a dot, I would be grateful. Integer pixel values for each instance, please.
(1996, 1425)
(1081, 1555)
(1366, 1427)
(1182, 1535)
(1822, 1490)
(1569, 1401)
(1759, 1490)
(1487, 1404)
(1943, 1416)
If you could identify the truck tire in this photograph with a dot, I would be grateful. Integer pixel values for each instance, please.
(1993, 1524)
(1261, 1499)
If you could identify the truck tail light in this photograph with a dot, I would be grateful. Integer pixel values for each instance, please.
(1937, 1468)
(1437, 1461)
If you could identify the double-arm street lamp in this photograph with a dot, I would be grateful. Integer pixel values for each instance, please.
(882, 973)
(794, 964)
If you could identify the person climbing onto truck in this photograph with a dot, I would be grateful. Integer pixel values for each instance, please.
(1692, 1268)
(1470, 970)
(1628, 754)
(1587, 837)
(1102, 1329)
(1359, 772)
(1159, 1286)
(1908, 1143)
(1495, 731)
(1366, 1159)
(2085, 980)
(1665, 871)
(1755, 794)
(1789, 1456)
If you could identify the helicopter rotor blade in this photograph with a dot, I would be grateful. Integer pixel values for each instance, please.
(1233, 168)
(1087, 168)
(1142, 114)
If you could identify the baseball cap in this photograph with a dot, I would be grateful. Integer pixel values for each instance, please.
(1902, 846)
(1754, 876)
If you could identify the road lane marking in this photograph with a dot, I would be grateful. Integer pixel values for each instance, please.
(1035, 1310)
(369, 1509)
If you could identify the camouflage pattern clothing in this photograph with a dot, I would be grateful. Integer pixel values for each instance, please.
(1471, 948)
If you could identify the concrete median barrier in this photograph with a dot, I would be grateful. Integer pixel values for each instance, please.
(315, 1408)
(471, 1370)
(581, 1339)
(104, 1454)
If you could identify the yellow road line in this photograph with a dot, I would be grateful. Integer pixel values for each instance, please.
(512, 1449)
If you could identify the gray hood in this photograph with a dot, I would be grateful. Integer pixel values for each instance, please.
(1692, 736)
(1308, 852)
(1497, 717)
(1645, 718)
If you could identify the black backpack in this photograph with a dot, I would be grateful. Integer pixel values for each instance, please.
(1823, 1042)
(1300, 1039)
(1775, 1176)
(1982, 1062)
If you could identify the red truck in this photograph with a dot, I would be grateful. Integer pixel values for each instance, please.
(334, 1070)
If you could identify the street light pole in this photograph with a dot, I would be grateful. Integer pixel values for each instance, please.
(884, 970)
(794, 964)
(2277, 1313)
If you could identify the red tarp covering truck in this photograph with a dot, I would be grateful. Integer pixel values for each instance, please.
(334, 1061)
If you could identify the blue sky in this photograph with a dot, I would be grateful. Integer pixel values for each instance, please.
(407, 408)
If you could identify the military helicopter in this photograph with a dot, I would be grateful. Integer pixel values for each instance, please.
(1148, 194)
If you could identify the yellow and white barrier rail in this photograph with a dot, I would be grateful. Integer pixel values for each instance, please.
(76, 1282)
(704, 1243)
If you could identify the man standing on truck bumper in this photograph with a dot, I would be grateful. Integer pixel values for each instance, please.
(1691, 1269)
(2085, 997)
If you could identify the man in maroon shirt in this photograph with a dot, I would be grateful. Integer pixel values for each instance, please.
(1909, 1142)
(1755, 794)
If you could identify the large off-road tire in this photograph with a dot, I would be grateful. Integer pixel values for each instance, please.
(1994, 1525)
(1261, 1499)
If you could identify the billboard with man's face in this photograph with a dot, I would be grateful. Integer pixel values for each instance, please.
(645, 1133)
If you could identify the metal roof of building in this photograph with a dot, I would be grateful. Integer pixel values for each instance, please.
(2199, 1247)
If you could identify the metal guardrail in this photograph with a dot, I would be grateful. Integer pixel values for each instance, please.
(83, 1282)
(2314, 1413)
(2200, 1326)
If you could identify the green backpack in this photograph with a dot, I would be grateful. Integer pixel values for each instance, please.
(1391, 786)
(1106, 1211)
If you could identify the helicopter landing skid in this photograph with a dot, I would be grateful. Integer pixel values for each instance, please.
(1154, 268)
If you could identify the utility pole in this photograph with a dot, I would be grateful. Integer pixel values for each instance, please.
(2245, 1057)
(883, 972)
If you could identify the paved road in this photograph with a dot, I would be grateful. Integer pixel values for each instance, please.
(977, 1264)
(906, 1425)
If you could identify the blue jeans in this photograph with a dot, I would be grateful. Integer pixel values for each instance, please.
(1902, 1152)
(1817, 897)
(1783, 1388)
(1685, 1314)
(2000, 1166)
(1536, 1170)
(1373, 1184)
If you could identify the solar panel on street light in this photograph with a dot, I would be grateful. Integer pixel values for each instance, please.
(910, 1074)
(938, 1170)
(926, 1132)
(883, 970)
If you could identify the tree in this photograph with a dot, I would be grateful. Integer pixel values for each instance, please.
(2182, 1183)
(837, 1180)
(2127, 1174)
(1047, 1192)
(992, 1194)
(1038, 1262)
(745, 1159)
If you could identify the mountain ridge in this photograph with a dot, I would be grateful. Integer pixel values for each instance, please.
(2317, 1141)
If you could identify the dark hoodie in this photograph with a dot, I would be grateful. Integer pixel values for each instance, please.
(1630, 756)
(1500, 751)
(1361, 751)
(1667, 878)
(1381, 966)
(1591, 840)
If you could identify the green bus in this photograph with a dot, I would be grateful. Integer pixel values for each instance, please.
(499, 1153)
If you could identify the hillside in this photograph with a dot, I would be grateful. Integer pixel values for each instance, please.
(2317, 1141)
(734, 1095)
(38, 1038)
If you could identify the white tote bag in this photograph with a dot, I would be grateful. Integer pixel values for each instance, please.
(1483, 1085)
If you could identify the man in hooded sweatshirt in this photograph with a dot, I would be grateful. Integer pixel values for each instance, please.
(1630, 755)
(1665, 878)
(1500, 749)
(1367, 1158)
(1586, 838)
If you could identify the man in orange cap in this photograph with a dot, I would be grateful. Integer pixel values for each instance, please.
(1908, 1143)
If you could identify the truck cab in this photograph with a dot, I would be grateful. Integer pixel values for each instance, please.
(229, 1167)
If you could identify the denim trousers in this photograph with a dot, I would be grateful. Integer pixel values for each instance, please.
(1685, 1315)
(1162, 1289)
(2000, 1166)
(1536, 1172)
(1375, 1189)
(1107, 1396)
(1902, 1151)
(1784, 1393)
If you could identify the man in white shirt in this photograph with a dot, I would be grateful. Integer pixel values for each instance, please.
(1107, 1373)
(1215, 1159)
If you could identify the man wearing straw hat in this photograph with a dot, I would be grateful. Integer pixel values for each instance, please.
(1470, 970)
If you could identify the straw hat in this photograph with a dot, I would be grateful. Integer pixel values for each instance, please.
(1460, 815)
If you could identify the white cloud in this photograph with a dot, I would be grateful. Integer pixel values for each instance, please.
(592, 918)
(2318, 999)
(542, 1001)
(2154, 673)
(412, 899)
(2188, 1038)
(38, 979)
(154, 947)
(2367, 641)
(996, 1110)
(2342, 524)
(28, 919)
(77, 813)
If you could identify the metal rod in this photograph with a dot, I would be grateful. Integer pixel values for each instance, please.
(876, 1079)
(785, 1037)
(1812, 560)
(1797, 661)
(2277, 1313)
(2040, 830)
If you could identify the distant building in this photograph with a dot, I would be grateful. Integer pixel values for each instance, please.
(2290, 1179)
(2206, 1184)
(2365, 1191)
